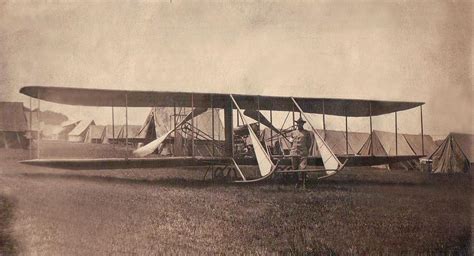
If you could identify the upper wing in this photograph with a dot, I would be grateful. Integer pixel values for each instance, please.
(122, 98)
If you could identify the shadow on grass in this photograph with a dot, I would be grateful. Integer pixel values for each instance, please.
(8, 245)
(164, 182)
(197, 183)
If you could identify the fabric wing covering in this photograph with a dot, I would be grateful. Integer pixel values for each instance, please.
(152, 146)
(265, 164)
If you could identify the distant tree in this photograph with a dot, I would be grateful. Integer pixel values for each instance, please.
(54, 118)
(49, 117)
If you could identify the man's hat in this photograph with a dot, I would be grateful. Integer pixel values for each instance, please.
(300, 121)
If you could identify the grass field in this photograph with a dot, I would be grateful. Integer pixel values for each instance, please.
(362, 211)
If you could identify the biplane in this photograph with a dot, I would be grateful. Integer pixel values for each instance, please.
(247, 108)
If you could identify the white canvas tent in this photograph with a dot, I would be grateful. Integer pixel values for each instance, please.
(96, 134)
(386, 144)
(160, 120)
(428, 146)
(335, 139)
(357, 140)
(78, 134)
(455, 154)
(66, 128)
(110, 134)
(132, 131)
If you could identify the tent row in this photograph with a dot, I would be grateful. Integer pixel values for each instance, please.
(203, 129)
(89, 132)
(158, 122)
(379, 144)
(358, 143)
(453, 154)
(18, 125)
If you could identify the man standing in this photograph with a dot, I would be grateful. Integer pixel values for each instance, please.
(300, 146)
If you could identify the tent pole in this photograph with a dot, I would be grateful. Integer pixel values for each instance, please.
(113, 126)
(422, 135)
(174, 117)
(371, 131)
(113, 123)
(347, 138)
(192, 124)
(212, 129)
(271, 130)
(31, 130)
(258, 116)
(324, 119)
(39, 128)
(126, 126)
(396, 134)
(174, 126)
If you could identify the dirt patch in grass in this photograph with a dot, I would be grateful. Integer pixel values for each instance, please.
(8, 245)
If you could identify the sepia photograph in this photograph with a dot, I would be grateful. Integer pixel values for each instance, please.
(325, 127)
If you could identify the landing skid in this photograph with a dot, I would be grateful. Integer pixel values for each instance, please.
(283, 170)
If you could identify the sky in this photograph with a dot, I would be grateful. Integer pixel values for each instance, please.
(383, 50)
